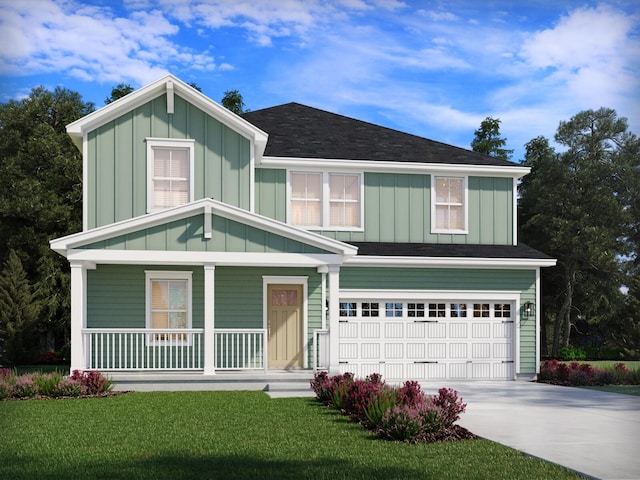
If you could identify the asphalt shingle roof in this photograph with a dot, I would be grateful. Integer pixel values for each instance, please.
(297, 130)
(520, 251)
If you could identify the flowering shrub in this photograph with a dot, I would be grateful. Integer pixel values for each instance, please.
(53, 385)
(92, 381)
(404, 413)
(24, 387)
(584, 374)
(450, 404)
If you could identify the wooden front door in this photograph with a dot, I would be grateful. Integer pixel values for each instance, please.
(284, 325)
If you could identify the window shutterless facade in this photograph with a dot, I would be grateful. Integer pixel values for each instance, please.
(449, 204)
(169, 173)
(327, 200)
(168, 304)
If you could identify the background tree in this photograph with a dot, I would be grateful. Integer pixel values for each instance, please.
(487, 140)
(571, 208)
(118, 92)
(41, 196)
(233, 101)
(18, 313)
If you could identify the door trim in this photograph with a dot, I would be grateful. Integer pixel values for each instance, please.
(288, 280)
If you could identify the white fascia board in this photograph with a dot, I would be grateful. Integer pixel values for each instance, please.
(450, 262)
(233, 259)
(362, 294)
(394, 167)
(61, 245)
(155, 89)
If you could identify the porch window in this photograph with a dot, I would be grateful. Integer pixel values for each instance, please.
(169, 173)
(168, 304)
(325, 200)
(449, 204)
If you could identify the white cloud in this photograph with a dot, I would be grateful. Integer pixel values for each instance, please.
(90, 43)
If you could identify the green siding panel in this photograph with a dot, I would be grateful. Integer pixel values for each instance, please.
(271, 195)
(188, 235)
(117, 162)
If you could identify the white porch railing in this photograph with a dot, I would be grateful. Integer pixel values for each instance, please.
(240, 349)
(172, 349)
(321, 349)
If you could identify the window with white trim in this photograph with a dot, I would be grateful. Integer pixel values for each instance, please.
(168, 304)
(326, 200)
(169, 173)
(449, 204)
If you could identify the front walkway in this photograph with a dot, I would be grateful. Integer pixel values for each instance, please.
(594, 433)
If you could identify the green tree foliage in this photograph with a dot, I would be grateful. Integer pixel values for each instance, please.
(41, 194)
(572, 208)
(233, 101)
(118, 92)
(18, 312)
(487, 140)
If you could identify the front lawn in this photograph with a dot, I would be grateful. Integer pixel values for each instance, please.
(229, 435)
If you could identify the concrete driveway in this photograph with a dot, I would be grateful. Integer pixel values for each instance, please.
(594, 433)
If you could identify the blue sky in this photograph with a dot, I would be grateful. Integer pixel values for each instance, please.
(431, 68)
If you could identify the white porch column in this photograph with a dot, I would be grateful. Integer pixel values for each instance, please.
(78, 314)
(334, 318)
(209, 319)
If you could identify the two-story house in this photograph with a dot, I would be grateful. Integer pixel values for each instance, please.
(291, 237)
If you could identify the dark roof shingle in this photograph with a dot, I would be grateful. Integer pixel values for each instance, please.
(297, 130)
(520, 251)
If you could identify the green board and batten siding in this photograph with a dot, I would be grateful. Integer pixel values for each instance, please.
(397, 208)
(116, 296)
(523, 281)
(188, 235)
(117, 160)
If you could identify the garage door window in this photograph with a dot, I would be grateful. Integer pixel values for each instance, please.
(348, 309)
(481, 310)
(437, 310)
(393, 309)
(370, 309)
(415, 309)
(458, 310)
(502, 310)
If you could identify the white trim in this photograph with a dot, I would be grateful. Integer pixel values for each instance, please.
(170, 96)
(207, 222)
(85, 182)
(465, 206)
(489, 295)
(177, 143)
(515, 211)
(538, 323)
(455, 262)
(62, 244)
(151, 275)
(231, 259)
(209, 320)
(287, 280)
(516, 171)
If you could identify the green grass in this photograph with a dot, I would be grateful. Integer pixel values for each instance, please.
(229, 435)
(609, 363)
(626, 389)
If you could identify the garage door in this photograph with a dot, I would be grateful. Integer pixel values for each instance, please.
(427, 340)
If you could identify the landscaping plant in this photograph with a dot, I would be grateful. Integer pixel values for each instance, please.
(584, 374)
(404, 413)
(52, 385)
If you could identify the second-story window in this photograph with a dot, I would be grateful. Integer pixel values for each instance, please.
(169, 173)
(449, 205)
(326, 200)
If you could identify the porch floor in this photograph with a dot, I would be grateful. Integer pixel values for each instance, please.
(276, 382)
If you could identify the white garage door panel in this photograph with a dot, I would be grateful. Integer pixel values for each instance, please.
(427, 340)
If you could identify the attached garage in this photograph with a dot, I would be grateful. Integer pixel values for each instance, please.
(430, 335)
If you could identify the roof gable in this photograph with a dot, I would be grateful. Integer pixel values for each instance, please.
(300, 131)
(115, 235)
(168, 85)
